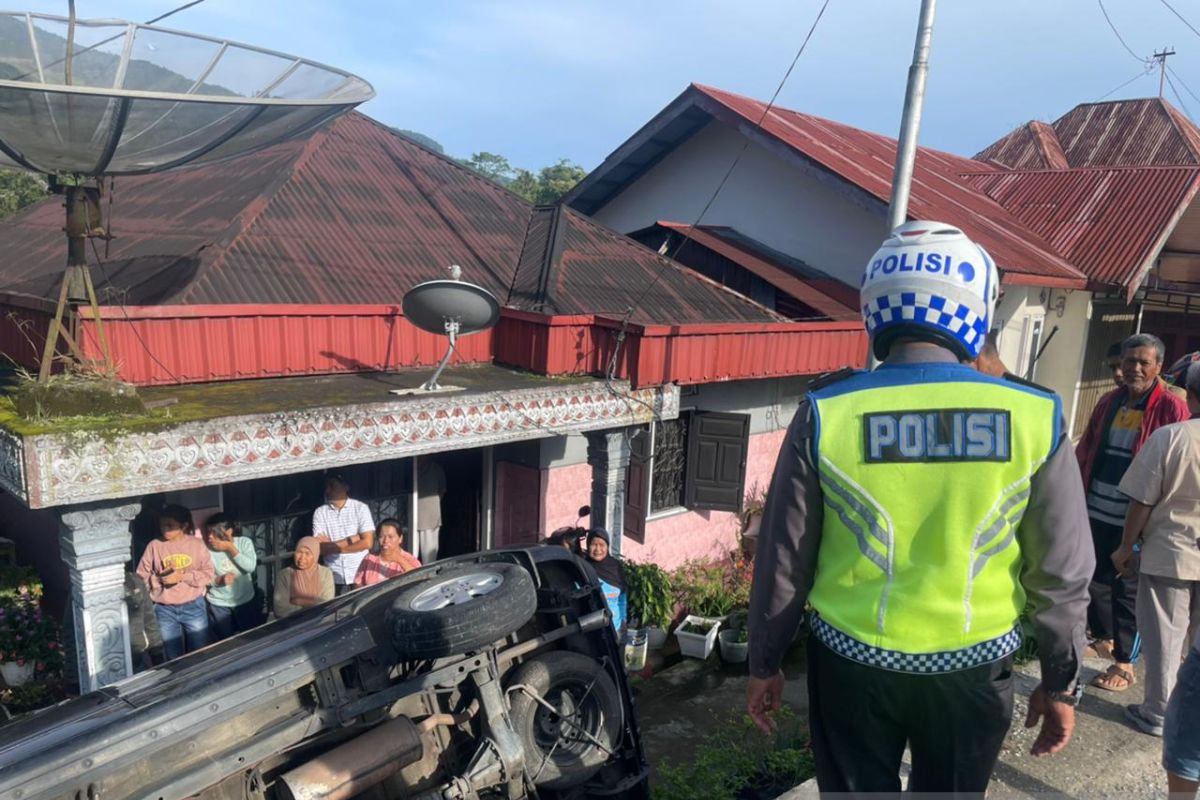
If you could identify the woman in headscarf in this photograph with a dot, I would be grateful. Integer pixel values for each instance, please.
(392, 559)
(611, 573)
(307, 583)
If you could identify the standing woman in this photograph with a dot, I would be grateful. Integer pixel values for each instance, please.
(611, 573)
(231, 606)
(177, 570)
(392, 560)
(307, 583)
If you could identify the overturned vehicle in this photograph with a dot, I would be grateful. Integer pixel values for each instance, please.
(495, 675)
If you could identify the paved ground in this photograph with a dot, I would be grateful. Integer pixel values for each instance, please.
(1107, 758)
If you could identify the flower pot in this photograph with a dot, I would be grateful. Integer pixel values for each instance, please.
(16, 674)
(655, 638)
(697, 645)
(731, 651)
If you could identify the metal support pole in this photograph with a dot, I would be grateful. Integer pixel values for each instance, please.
(910, 121)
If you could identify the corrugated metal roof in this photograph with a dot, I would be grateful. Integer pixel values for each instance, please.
(1111, 223)
(1143, 132)
(352, 214)
(824, 294)
(572, 265)
(868, 159)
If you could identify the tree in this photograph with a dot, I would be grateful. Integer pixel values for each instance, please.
(554, 181)
(19, 189)
(543, 188)
(491, 166)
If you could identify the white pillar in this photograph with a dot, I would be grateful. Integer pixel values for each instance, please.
(95, 542)
(608, 453)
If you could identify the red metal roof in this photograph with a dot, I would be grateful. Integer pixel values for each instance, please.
(571, 265)
(352, 214)
(827, 295)
(1144, 132)
(867, 160)
(1111, 223)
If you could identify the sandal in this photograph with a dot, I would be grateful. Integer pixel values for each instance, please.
(1114, 680)
(1099, 648)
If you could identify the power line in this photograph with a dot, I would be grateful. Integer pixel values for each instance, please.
(1186, 88)
(1110, 93)
(1178, 97)
(688, 231)
(1120, 38)
(1181, 18)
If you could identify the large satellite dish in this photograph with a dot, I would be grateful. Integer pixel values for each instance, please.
(80, 99)
(450, 307)
(128, 98)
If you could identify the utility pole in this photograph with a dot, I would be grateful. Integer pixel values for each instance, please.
(1161, 58)
(910, 121)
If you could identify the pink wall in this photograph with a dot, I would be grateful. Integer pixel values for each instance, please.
(670, 540)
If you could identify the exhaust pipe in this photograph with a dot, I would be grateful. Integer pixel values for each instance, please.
(356, 765)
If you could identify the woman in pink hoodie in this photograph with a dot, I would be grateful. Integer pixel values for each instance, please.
(178, 569)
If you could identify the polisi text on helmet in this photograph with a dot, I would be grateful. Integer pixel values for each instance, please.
(921, 261)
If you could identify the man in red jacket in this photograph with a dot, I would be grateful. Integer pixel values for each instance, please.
(1120, 425)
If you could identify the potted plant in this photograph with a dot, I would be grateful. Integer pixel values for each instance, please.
(734, 639)
(697, 635)
(29, 640)
(750, 517)
(651, 599)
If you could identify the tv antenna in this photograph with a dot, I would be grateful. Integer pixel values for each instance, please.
(88, 98)
(451, 307)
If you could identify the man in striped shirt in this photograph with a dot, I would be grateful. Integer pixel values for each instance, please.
(1121, 423)
(346, 532)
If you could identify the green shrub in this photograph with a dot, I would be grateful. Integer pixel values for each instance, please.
(736, 762)
(651, 594)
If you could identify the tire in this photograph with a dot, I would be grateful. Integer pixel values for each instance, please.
(461, 609)
(556, 756)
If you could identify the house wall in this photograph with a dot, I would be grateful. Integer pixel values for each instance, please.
(1062, 360)
(767, 198)
(676, 536)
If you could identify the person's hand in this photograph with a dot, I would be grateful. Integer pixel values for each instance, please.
(171, 578)
(1123, 559)
(1058, 723)
(227, 579)
(322, 537)
(224, 545)
(764, 695)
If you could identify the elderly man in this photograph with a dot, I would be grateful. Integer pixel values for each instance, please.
(1119, 427)
(1163, 486)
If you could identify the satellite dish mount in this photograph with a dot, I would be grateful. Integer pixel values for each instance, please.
(453, 308)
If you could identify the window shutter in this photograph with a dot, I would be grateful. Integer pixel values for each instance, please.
(716, 465)
(637, 485)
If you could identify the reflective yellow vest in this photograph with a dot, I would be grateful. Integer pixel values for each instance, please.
(925, 473)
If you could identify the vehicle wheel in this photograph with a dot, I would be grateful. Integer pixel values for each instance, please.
(557, 756)
(460, 609)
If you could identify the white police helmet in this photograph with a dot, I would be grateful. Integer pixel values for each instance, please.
(929, 280)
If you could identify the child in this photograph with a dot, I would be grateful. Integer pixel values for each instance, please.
(177, 569)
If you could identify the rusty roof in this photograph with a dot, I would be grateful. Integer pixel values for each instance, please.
(570, 264)
(861, 158)
(1144, 132)
(1111, 223)
(825, 294)
(353, 213)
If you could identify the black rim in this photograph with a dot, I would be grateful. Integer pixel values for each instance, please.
(577, 708)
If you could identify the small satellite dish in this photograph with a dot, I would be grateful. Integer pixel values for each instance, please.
(449, 307)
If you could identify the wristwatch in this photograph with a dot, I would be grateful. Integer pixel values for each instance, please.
(1071, 698)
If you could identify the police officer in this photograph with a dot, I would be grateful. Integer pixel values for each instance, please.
(916, 510)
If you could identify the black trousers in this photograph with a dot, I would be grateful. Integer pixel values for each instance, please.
(1112, 612)
(862, 717)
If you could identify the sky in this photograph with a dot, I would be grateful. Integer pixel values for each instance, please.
(541, 80)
